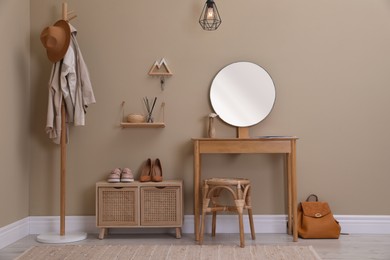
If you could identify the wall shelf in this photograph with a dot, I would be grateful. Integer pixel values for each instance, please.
(142, 125)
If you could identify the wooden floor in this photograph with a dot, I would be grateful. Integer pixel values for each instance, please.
(347, 247)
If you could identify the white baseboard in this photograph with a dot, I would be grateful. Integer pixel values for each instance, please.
(352, 224)
(226, 224)
(360, 224)
(13, 232)
(51, 224)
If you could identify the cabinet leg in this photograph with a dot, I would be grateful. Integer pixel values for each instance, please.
(102, 232)
(178, 232)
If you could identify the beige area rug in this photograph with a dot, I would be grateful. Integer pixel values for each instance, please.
(171, 252)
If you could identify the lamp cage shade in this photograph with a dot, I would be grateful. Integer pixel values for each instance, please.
(209, 18)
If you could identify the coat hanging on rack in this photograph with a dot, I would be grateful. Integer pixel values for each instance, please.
(69, 83)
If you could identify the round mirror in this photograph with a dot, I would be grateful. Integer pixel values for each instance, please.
(242, 94)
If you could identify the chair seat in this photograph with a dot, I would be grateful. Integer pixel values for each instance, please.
(227, 181)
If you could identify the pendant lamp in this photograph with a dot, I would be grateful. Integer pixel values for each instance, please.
(209, 18)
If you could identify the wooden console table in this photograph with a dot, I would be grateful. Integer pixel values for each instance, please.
(275, 144)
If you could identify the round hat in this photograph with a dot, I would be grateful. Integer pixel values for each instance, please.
(56, 39)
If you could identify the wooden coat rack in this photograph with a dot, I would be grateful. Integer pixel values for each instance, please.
(63, 237)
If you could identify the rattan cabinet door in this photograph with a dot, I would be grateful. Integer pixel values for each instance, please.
(117, 206)
(161, 206)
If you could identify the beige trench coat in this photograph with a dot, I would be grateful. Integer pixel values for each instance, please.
(69, 82)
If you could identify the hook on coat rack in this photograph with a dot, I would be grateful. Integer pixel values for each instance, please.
(71, 16)
(67, 16)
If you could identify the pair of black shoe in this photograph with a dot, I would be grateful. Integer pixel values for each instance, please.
(151, 171)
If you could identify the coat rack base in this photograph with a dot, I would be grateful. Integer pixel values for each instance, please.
(52, 238)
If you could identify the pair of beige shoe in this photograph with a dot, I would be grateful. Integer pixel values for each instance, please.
(151, 171)
(118, 175)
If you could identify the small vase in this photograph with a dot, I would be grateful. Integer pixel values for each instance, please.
(211, 130)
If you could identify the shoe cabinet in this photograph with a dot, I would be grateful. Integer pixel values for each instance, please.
(139, 205)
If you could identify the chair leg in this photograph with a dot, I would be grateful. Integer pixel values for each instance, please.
(248, 202)
(250, 215)
(205, 204)
(240, 208)
(214, 224)
(202, 223)
(214, 201)
(241, 223)
(201, 230)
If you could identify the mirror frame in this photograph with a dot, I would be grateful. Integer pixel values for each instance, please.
(242, 94)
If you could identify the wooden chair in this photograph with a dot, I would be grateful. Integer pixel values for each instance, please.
(240, 189)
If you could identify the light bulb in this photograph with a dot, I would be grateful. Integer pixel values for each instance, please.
(210, 13)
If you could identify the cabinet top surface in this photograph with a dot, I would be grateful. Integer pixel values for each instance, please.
(262, 138)
(138, 183)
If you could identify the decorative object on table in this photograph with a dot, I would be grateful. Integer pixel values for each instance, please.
(149, 107)
(136, 118)
(211, 128)
(161, 69)
(210, 19)
(315, 220)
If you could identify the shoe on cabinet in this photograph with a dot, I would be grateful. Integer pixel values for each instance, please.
(114, 176)
(127, 175)
(157, 171)
(146, 171)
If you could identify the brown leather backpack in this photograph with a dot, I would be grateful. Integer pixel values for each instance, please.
(315, 220)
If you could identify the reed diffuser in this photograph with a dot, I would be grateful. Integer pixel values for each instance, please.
(149, 107)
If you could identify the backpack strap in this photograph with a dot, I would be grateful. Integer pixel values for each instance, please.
(312, 196)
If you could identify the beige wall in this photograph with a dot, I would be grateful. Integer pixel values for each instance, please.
(14, 110)
(329, 61)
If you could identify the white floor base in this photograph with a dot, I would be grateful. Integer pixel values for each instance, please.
(57, 238)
